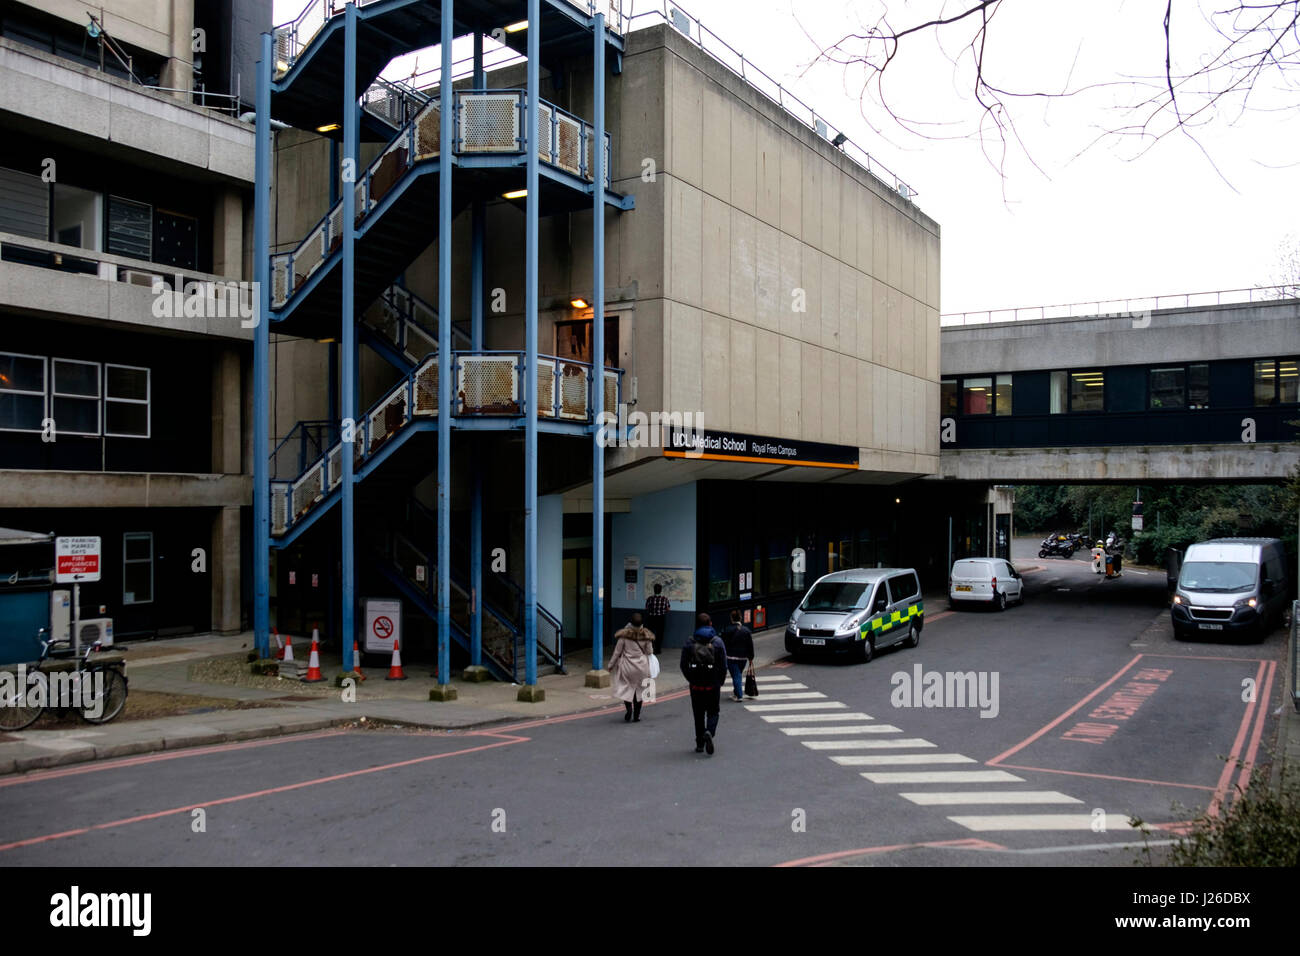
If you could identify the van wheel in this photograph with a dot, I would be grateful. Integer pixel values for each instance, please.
(865, 651)
(913, 635)
(1001, 601)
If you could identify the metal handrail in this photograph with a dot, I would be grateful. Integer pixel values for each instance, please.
(1121, 307)
(735, 61)
(321, 232)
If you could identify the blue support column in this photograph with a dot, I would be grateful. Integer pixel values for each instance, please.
(598, 355)
(347, 387)
(261, 359)
(477, 213)
(333, 409)
(445, 366)
(530, 691)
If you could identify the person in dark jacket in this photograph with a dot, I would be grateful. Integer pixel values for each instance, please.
(740, 653)
(705, 672)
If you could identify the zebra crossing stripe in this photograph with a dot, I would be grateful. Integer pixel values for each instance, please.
(804, 705)
(838, 729)
(813, 718)
(942, 798)
(885, 743)
(876, 760)
(797, 695)
(944, 776)
(1040, 821)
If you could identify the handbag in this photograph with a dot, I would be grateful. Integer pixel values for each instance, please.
(751, 683)
(654, 666)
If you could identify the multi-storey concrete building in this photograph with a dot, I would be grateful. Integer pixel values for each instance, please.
(126, 173)
(753, 278)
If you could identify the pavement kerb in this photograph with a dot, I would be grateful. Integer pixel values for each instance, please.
(189, 731)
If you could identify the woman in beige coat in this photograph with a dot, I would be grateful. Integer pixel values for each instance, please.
(629, 666)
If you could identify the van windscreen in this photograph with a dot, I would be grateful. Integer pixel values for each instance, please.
(837, 596)
(1218, 576)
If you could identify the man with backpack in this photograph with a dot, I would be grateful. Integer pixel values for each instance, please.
(704, 665)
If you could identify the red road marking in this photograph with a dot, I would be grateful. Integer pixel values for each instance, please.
(118, 762)
(1029, 740)
(1261, 714)
(111, 824)
(931, 618)
(969, 843)
(1230, 764)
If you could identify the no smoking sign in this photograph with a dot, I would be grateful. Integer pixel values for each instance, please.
(383, 618)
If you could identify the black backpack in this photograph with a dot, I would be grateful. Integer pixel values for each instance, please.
(704, 668)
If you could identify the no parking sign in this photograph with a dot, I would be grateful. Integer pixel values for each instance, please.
(383, 625)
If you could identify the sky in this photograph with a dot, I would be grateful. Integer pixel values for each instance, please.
(1069, 214)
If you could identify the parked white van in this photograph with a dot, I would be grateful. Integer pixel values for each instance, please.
(1230, 586)
(989, 581)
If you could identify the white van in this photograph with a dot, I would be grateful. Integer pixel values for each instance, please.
(857, 613)
(1230, 586)
(991, 581)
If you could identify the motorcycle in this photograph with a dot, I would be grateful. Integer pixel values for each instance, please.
(1114, 544)
(1056, 546)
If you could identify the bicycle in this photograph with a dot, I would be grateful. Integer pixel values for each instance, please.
(20, 706)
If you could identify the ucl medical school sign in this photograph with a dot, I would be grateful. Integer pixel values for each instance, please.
(76, 560)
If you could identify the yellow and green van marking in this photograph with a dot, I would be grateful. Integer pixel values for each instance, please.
(883, 623)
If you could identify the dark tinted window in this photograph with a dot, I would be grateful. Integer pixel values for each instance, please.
(902, 587)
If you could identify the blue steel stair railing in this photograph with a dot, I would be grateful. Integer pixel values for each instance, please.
(487, 383)
(487, 122)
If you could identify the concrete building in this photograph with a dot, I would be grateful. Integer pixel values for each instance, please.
(750, 279)
(125, 229)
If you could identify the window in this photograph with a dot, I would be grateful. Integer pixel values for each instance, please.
(1198, 386)
(1276, 381)
(22, 392)
(902, 587)
(1060, 393)
(1002, 396)
(126, 401)
(130, 228)
(1087, 391)
(977, 396)
(76, 397)
(137, 567)
(1168, 387)
(948, 398)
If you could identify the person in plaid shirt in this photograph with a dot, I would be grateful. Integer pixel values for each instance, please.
(656, 611)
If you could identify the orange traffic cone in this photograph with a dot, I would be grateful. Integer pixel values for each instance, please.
(356, 661)
(395, 669)
(314, 676)
(279, 645)
(287, 654)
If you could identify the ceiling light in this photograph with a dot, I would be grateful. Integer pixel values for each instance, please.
(517, 27)
(327, 128)
(578, 303)
(515, 194)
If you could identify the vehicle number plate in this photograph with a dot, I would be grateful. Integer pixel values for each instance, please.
(962, 587)
(819, 641)
(1211, 627)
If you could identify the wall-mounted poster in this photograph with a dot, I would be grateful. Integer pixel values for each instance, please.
(678, 581)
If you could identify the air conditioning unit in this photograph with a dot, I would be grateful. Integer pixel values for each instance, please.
(136, 277)
(95, 629)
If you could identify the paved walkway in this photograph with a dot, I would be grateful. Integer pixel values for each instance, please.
(164, 666)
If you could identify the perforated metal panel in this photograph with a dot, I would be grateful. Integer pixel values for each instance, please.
(279, 507)
(611, 392)
(334, 466)
(489, 122)
(279, 280)
(427, 131)
(307, 490)
(545, 133)
(573, 391)
(489, 385)
(426, 389)
(545, 388)
(388, 419)
(568, 143)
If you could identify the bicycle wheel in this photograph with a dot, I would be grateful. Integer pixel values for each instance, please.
(111, 697)
(15, 710)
